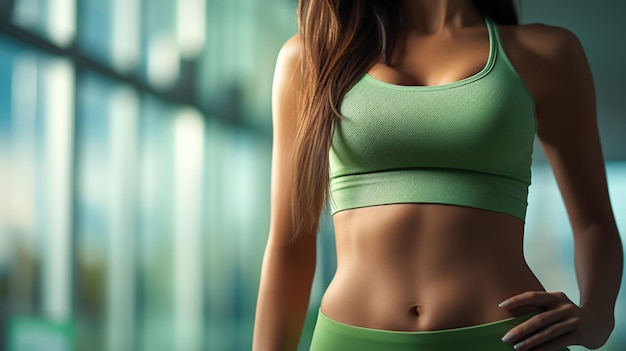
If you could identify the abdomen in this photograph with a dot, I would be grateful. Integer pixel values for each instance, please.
(425, 267)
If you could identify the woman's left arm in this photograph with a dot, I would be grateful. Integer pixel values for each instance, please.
(568, 131)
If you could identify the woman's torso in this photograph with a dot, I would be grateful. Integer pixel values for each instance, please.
(423, 266)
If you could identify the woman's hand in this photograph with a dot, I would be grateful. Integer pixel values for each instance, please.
(562, 323)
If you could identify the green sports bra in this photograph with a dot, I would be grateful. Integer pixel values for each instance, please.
(467, 143)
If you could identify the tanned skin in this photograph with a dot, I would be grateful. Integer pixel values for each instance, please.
(419, 267)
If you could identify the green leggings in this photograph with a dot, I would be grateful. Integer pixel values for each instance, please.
(330, 335)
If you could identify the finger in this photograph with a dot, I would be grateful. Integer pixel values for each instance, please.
(557, 345)
(549, 338)
(535, 298)
(532, 325)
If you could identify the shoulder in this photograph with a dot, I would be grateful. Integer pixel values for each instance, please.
(550, 59)
(287, 81)
(546, 42)
(288, 70)
(290, 54)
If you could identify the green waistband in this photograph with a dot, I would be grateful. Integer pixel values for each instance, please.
(332, 335)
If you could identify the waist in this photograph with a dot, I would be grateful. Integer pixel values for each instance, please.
(425, 267)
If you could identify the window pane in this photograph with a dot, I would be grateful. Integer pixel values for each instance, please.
(237, 222)
(160, 51)
(53, 19)
(109, 32)
(20, 128)
(156, 227)
(37, 120)
(106, 210)
(243, 39)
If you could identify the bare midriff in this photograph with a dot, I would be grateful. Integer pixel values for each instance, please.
(420, 267)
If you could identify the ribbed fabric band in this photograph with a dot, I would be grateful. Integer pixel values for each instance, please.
(437, 186)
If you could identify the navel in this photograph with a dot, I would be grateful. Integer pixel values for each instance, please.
(415, 311)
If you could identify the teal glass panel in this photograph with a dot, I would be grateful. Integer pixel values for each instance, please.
(93, 218)
(54, 20)
(96, 29)
(155, 294)
(243, 39)
(237, 222)
(21, 132)
(159, 56)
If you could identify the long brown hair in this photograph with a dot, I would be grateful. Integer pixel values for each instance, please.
(341, 40)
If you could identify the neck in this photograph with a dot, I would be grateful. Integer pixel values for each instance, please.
(431, 16)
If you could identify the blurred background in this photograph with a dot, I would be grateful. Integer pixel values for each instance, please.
(135, 145)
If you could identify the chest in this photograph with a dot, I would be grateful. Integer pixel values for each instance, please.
(436, 61)
(479, 124)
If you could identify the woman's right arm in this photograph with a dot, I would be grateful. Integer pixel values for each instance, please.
(288, 265)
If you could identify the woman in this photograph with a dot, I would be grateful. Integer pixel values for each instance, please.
(423, 112)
